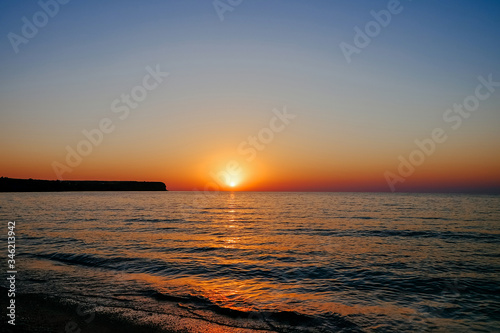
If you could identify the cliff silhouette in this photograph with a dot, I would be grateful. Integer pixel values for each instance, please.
(36, 185)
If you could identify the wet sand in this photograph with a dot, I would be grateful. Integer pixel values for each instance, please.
(36, 313)
(41, 313)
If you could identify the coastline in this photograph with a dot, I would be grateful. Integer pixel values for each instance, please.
(37, 313)
(41, 313)
(38, 185)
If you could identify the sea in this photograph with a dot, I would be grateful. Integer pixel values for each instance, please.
(265, 262)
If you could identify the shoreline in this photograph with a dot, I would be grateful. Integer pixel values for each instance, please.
(37, 185)
(38, 313)
(42, 313)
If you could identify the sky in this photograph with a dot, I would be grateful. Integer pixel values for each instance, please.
(253, 95)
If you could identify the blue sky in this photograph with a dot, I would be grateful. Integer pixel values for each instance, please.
(228, 74)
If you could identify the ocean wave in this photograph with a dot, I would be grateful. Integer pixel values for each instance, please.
(274, 318)
(137, 219)
(449, 235)
(85, 259)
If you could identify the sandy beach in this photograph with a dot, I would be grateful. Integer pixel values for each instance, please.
(36, 313)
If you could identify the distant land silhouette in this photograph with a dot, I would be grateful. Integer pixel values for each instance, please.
(36, 185)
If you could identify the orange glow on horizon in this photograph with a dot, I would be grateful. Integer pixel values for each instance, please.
(270, 171)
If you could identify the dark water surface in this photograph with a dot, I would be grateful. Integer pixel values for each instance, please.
(312, 262)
